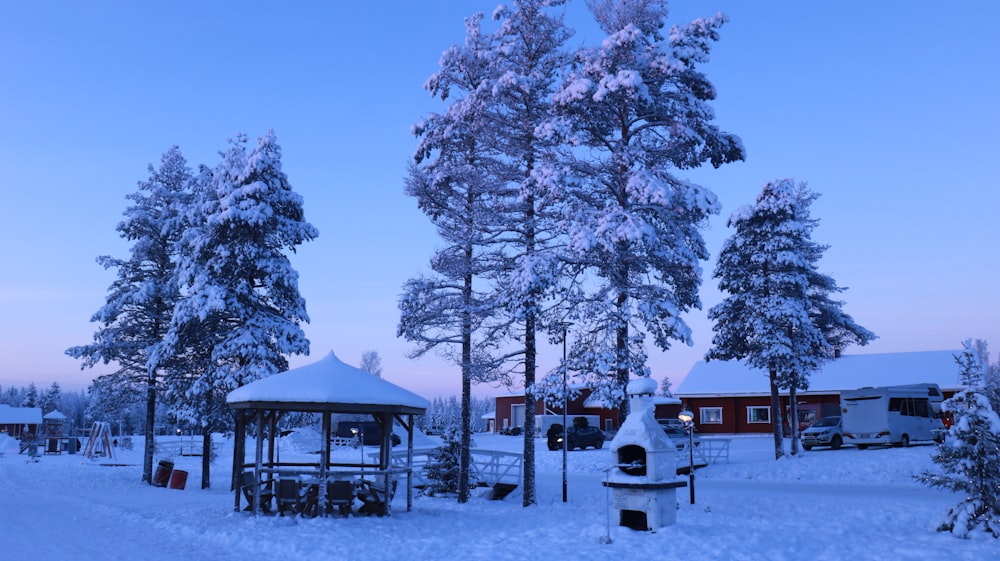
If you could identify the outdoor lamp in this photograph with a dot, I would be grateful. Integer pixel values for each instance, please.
(687, 418)
(360, 435)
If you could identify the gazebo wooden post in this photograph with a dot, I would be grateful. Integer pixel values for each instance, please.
(409, 462)
(324, 462)
(272, 443)
(239, 453)
(385, 448)
(258, 460)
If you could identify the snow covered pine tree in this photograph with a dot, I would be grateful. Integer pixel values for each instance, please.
(969, 457)
(778, 316)
(635, 110)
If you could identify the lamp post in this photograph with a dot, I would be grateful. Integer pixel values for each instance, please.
(687, 418)
(359, 434)
(565, 438)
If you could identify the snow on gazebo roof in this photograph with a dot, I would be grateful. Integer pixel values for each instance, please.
(326, 385)
(55, 415)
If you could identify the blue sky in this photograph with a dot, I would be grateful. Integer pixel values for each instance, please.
(886, 108)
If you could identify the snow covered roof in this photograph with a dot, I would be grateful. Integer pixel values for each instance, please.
(593, 403)
(327, 385)
(20, 415)
(56, 415)
(846, 372)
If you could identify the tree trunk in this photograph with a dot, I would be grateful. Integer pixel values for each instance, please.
(465, 454)
(465, 438)
(528, 494)
(150, 446)
(621, 342)
(206, 456)
(776, 415)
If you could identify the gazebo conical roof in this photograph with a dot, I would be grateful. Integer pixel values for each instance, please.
(327, 385)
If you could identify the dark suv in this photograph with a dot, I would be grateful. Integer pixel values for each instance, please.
(577, 437)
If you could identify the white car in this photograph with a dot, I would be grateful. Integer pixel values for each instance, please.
(679, 437)
(828, 431)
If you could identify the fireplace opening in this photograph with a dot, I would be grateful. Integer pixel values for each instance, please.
(634, 519)
(632, 459)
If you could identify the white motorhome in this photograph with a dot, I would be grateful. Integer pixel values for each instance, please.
(892, 415)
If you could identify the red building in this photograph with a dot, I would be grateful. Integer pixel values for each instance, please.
(732, 398)
(20, 422)
(510, 411)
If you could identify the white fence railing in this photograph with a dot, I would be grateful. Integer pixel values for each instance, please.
(182, 448)
(713, 450)
(488, 467)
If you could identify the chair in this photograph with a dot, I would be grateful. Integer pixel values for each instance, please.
(340, 494)
(248, 484)
(288, 498)
(310, 501)
(375, 497)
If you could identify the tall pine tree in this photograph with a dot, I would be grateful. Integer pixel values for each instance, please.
(635, 111)
(527, 65)
(241, 313)
(138, 308)
(453, 179)
(778, 315)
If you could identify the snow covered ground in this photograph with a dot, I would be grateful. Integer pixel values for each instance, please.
(824, 505)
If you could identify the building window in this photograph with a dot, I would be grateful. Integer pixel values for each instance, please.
(758, 414)
(710, 415)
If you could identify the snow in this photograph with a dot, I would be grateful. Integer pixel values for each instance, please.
(20, 415)
(823, 505)
(846, 372)
(327, 381)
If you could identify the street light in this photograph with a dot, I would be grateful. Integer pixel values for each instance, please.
(687, 418)
(565, 437)
(359, 434)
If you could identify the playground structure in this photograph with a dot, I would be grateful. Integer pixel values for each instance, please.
(54, 436)
(100, 442)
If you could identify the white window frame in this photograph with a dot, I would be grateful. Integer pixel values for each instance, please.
(750, 416)
(707, 414)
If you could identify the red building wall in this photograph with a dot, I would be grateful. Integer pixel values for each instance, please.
(735, 412)
(505, 406)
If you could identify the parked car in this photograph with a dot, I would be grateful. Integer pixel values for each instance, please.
(578, 437)
(668, 422)
(679, 436)
(828, 431)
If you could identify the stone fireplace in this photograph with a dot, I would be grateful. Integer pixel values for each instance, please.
(643, 475)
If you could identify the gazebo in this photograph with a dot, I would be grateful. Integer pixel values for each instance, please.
(325, 387)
